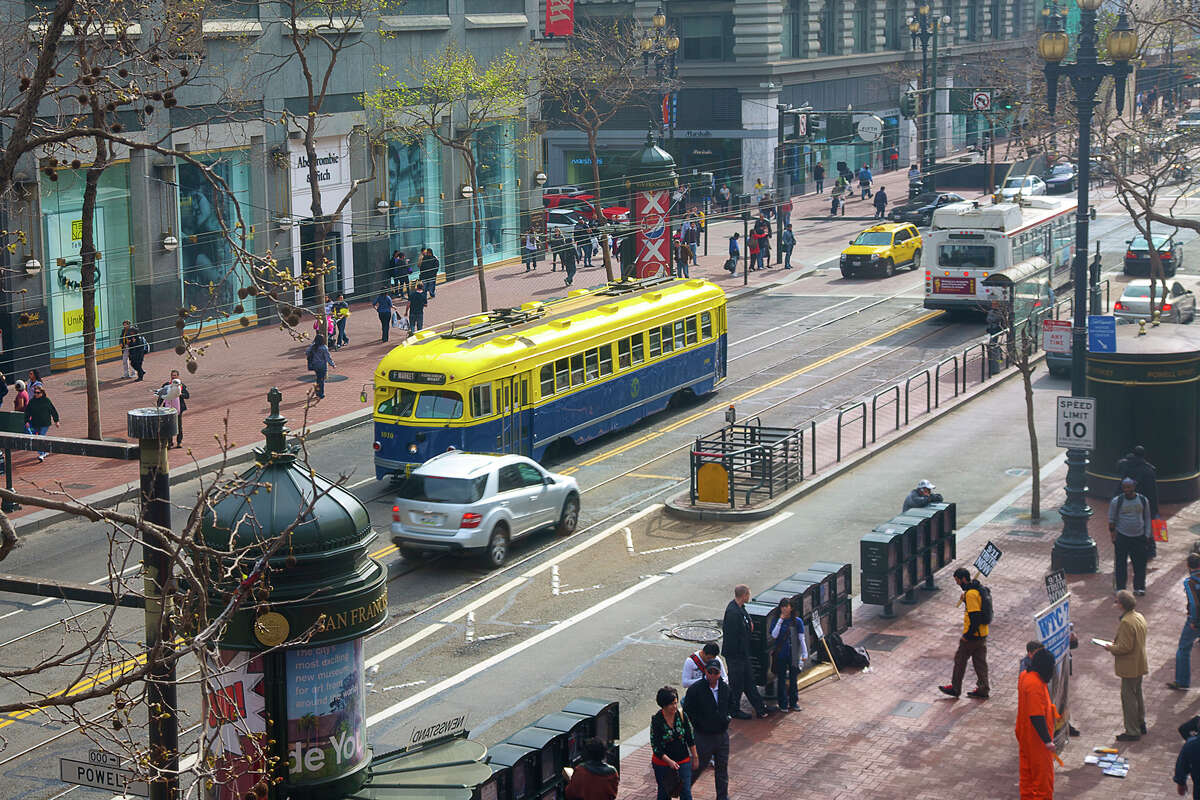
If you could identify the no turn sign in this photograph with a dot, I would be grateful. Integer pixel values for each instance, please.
(1076, 423)
(981, 100)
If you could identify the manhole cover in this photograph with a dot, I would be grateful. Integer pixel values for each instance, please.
(1017, 472)
(910, 709)
(1028, 534)
(699, 630)
(328, 379)
(882, 641)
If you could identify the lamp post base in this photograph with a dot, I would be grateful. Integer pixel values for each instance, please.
(1075, 558)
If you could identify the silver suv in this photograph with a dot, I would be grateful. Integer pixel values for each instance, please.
(479, 503)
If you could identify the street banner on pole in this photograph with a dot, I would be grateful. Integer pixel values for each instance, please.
(560, 17)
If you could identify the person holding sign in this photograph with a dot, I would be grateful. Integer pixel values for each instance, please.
(1130, 664)
(973, 642)
(1035, 727)
(790, 651)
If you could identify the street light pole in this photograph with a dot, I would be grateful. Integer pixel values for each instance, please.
(1074, 550)
(924, 28)
(660, 45)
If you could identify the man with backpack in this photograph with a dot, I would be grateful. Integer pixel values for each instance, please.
(1134, 465)
(972, 645)
(1129, 526)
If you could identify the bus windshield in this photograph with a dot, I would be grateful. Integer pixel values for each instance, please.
(967, 256)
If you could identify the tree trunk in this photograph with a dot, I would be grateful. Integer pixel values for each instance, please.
(320, 228)
(87, 271)
(476, 223)
(1035, 503)
(591, 137)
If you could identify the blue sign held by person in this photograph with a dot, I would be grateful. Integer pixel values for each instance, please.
(1102, 334)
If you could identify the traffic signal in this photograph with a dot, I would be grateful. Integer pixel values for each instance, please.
(908, 105)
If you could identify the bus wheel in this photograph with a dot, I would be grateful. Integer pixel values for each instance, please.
(569, 520)
(496, 552)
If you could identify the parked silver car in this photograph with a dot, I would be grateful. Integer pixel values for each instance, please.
(479, 503)
(1178, 306)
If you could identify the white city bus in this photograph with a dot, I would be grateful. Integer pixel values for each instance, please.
(970, 242)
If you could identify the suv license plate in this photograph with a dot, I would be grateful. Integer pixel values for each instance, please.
(429, 519)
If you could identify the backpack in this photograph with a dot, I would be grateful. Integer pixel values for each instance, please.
(985, 602)
(310, 356)
(844, 656)
(143, 344)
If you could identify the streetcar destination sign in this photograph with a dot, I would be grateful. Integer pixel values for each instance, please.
(102, 771)
(1076, 426)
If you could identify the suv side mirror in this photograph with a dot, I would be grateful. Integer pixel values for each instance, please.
(547, 480)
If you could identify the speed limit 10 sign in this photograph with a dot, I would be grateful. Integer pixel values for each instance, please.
(1076, 423)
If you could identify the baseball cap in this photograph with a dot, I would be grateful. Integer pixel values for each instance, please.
(713, 666)
(925, 484)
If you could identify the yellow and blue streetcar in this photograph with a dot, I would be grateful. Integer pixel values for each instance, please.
(520, 380)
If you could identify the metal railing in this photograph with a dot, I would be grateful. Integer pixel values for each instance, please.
(757, 460)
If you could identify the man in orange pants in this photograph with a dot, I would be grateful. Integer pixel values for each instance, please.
(1035, 728)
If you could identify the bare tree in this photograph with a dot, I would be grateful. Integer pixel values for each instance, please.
(587, 81)
(1013, 341)
(451, 85)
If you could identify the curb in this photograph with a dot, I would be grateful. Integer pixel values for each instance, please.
(676, 506)
(193, 469)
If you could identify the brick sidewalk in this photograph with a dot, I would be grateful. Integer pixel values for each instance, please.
(909, 742)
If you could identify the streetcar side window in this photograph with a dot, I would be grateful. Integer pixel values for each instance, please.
(562, 375)
(481, 400)
(655, 342)
(679, 335)
(400, 404)
(624, 359)
(667, 343)
(705, 324)
(591, 365)
(577, 369)
(692, 335)
(547, 378)
(638, 356)
(606, 365)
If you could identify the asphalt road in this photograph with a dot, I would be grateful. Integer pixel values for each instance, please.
(796, 351)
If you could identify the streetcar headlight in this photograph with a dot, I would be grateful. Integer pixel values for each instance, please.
(412, 448)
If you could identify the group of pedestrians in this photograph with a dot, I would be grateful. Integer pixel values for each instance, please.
(687, 738)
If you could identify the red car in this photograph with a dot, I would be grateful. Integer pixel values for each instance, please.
(582, 202)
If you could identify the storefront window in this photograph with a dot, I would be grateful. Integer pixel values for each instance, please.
(414, 191)
(612, 172)
(62, 204)
(208, 269)
(496, 190)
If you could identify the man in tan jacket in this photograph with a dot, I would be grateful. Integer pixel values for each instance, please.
(1130, 664)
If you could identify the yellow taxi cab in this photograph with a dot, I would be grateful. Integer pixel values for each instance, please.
(881, 248)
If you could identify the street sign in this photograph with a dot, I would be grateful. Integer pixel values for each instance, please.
(987, 559)
(801, 125)
(102, 771)
(870, 128)
(1102, 334)
(981, 100)
(1056, 336)
(423, 730)
(1076, 426)
(1056, 585)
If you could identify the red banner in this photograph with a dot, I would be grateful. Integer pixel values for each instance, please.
(653, 246)
(560, 17)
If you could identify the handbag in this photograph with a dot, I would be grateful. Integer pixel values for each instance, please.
(1159, 527)
(731, 264)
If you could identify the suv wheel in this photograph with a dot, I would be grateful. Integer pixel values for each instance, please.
(569, 521)
(846, 273)
(496, 552)
(889, 268)
(916, 259)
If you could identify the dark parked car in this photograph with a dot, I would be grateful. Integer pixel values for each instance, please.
(919, 210)
(1061, 179)
(1137, 255)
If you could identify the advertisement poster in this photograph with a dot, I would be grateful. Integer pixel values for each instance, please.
(64, 233)
(206, 259)
(653, 246)
(560, 17)
(326, 702)
(235, 725)
(1054, 631)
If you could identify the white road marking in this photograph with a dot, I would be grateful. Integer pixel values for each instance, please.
(454, 680)
(684, 545)
(825, 310)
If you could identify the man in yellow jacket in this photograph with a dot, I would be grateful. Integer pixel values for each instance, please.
(1130, 664)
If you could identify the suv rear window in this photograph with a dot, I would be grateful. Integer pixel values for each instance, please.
(433, 489)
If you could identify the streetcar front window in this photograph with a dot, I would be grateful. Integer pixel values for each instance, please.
(967, 256)
(400, 404)
(439, 405)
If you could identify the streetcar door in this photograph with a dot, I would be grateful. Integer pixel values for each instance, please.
(512, 398)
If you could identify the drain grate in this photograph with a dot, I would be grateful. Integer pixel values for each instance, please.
(882, 641)
(1027, 534)
(910, 709)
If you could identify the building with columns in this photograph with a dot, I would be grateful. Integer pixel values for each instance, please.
(740, 59)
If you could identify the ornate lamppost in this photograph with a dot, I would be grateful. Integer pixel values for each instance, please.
(659, 46)
(925, 28)
(1074, 550)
